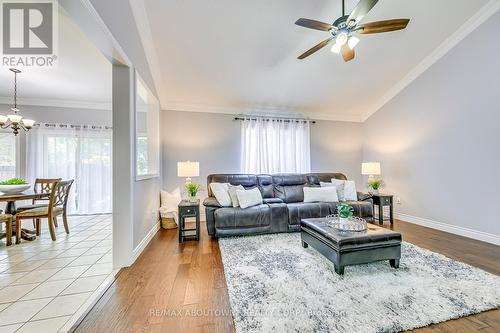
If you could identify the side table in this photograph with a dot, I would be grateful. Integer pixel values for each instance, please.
(382, 200)
(188, 208)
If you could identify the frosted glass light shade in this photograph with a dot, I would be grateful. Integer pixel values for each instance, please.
(341, 38)
(3, 119)
(370, 168)
(15, 118)
(352, 42)
(336, 48)
(28, 123)
(188, 169)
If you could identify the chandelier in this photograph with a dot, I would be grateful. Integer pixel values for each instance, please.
(15, 121)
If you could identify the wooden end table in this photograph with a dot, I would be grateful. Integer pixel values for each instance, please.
(188, 208)
(382, 200)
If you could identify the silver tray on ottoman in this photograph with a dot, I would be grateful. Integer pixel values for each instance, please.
(355, 224)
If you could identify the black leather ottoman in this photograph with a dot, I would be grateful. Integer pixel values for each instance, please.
(351, 248)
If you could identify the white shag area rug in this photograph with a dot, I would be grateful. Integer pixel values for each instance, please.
(275, 285)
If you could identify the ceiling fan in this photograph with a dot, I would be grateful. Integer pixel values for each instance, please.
(342, 30)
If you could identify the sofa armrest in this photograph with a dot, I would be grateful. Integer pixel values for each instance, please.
(211, 202)
(362, 196)
(272, 200)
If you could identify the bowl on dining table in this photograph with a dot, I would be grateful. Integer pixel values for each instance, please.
(14, 189)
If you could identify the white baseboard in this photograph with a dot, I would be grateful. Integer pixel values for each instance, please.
(452, 229)
(145, 241)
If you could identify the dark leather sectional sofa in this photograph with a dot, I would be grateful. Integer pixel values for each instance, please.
(283, 205)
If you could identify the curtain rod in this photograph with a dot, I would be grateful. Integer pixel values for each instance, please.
(73, 126)
(286, 120)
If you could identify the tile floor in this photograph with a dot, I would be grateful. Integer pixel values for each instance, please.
(45, 284)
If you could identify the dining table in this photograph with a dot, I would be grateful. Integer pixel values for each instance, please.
(10, 208)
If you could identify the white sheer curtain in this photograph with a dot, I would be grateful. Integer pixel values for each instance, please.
(74, 152)
(275, 146)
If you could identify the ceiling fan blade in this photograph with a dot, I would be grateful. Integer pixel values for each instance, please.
(315, 48)
(361, 9)
(313, 24)
(383, 26)
(347, 53)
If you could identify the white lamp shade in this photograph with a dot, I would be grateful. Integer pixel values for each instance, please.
(3, 119)
(370, 168)
(28, 123)
(188, 169)
(15, 118)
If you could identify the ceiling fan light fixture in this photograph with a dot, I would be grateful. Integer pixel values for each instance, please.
(352, 42)
(336, 48)
(341, 38)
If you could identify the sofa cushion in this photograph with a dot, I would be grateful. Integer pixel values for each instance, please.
(304, 210)
(362, 209)
(290, 193)
(266, 186)
(242, 218)
(247, 181)
(316, 178)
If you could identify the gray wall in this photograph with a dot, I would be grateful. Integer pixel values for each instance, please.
(337, 147)
(214, 140)
(118, 17)
(438, 139)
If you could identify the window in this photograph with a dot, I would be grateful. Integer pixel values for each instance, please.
(275, 146)
(146, 132)
(7, 156)
(80, 153)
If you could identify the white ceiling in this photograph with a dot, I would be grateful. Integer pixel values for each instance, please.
(238, 56)
(81, 79)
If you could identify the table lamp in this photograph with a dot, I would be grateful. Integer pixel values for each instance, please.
(188, 169)
(370, 169)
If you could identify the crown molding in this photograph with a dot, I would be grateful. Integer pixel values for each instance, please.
(465, 29)
(58, 103)
(145, 34)
(259, 110)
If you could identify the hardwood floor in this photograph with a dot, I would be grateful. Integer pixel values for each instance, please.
(176, 287)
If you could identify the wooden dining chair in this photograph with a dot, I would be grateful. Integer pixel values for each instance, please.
(41, 185)
(58, 201)
(7, 218)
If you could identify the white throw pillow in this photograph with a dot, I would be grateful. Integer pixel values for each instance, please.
(169, 202)
(232, 193)
(340, 188)
(221, 193)
(248, 198)
(320, 194)
(350, 193)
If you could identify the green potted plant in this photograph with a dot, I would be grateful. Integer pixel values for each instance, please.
(345, 211)
(192, 189)
(375, 185)
(14, 186)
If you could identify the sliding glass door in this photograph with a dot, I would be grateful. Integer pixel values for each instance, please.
(79, 153)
